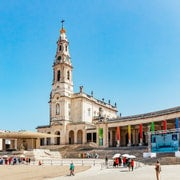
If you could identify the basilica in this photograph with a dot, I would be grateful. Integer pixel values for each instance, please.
(79, 118)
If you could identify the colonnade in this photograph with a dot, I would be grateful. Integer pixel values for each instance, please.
(131, 134)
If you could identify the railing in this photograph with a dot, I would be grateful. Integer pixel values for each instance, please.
(83, 162)
(62, 162)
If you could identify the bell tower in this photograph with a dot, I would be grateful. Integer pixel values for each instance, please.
(62, 86)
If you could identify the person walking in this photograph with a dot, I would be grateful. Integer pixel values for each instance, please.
(106, 161)
(132, 164)
(158, 170)
(71, 168)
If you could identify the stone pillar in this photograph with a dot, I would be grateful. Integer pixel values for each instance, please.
(45, 141)
(84, 137)
(149, 138)
(97, 135)
(15, 144)
(75, 137)
(105, 136)
(37, 143)
(53, 140)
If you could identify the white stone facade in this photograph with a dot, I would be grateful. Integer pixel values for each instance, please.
(71, 114)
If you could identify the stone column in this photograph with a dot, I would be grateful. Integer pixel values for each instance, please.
(15, 143)
(149, 138)
(97, 135)
(45, 141)
(37, 143)
(84, 137)
(75, 136)
(105, 136)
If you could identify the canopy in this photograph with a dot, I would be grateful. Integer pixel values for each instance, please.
(25, 135)
(116, 155)
(125, 155)
(131, 156)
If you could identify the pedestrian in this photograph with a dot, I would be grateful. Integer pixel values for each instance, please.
(29, 160)
(128, 162)
(124, 161)
(117, 162)
(132, 164)
(71, 168)
(106, 161)
(158, 170)
(39, 163)
(114, 163)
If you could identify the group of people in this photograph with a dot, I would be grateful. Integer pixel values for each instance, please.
(126, 162)
(13, 160)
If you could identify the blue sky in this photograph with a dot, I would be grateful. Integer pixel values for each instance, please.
(124, 50)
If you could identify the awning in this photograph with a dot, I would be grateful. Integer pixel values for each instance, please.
(25, 135)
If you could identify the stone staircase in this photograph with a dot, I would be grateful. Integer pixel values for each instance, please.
(74, 151)
(42, 154)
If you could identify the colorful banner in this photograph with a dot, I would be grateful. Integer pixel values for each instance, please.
(129, 132)
(152, 126)
(101, 136)
(164, 125)
(118, 133)
(177, 123)
(140, 131)
(100, 132)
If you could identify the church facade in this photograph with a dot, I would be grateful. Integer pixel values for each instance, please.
(79, 118)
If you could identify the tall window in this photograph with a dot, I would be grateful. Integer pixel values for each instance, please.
(59, 58)
(100, 111)
(58, 75)
(69, 110)
(89, 111)
(68, 75)
(66, 48)
(60, 48)
(57, 109)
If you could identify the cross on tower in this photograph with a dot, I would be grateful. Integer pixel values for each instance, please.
(62, 23)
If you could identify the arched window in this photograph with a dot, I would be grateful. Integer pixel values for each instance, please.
(66, 48)
(58, 75)
(60, 48)
(59, 58)
(68, 75)
(57, 109)
(100, 111)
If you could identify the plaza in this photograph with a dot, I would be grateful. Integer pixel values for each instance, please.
(141, 173)
(88, 172)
